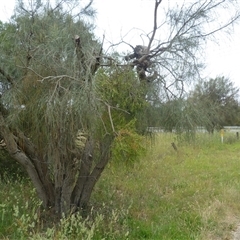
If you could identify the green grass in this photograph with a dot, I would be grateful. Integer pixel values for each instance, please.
(193, 193)
(17, 200)
(190, 194)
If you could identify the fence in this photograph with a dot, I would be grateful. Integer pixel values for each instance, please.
(234, 129)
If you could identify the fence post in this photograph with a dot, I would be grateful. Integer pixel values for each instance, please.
(222, 133)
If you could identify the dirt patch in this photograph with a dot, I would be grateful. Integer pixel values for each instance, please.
(236, 233)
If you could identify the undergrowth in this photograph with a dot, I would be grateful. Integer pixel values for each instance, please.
(191, 192)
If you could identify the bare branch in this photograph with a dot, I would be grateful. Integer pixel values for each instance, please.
(157, 3)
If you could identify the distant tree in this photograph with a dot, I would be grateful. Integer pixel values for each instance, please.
(171, 113)
(177, 115)
(217, 101)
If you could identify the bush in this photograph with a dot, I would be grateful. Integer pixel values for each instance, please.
(128, 147)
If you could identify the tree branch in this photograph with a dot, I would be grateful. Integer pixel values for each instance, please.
(7, 76)
(22, 158)
(157, 3)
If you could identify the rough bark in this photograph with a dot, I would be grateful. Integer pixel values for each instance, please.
(17, 154)
(39, 163)
(96, 172)
(84, 172)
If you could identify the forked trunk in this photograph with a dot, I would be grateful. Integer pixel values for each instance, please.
(70, 188)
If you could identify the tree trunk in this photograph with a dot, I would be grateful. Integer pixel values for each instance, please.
(17, 154)
(71, 186)
(96, 172)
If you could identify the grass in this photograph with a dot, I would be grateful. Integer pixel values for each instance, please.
(192, 193)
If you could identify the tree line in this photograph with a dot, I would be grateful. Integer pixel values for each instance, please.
(212, 104)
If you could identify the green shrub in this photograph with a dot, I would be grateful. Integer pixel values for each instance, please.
(128, 147)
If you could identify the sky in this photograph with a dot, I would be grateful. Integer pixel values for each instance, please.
(118, 19)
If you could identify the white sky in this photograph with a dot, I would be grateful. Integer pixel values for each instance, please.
(116, 18)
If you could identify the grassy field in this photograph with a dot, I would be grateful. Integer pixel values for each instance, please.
(191, 193)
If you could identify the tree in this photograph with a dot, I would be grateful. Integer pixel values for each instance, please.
(217, 100)
(172, 115)
(178, 115)
(171, 52)
(50, 104)
(56, 119)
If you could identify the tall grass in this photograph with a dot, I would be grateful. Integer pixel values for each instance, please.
(191, 193)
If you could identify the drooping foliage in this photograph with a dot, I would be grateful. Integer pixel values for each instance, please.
(50, 99)
(124, 97)
(61, 112)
